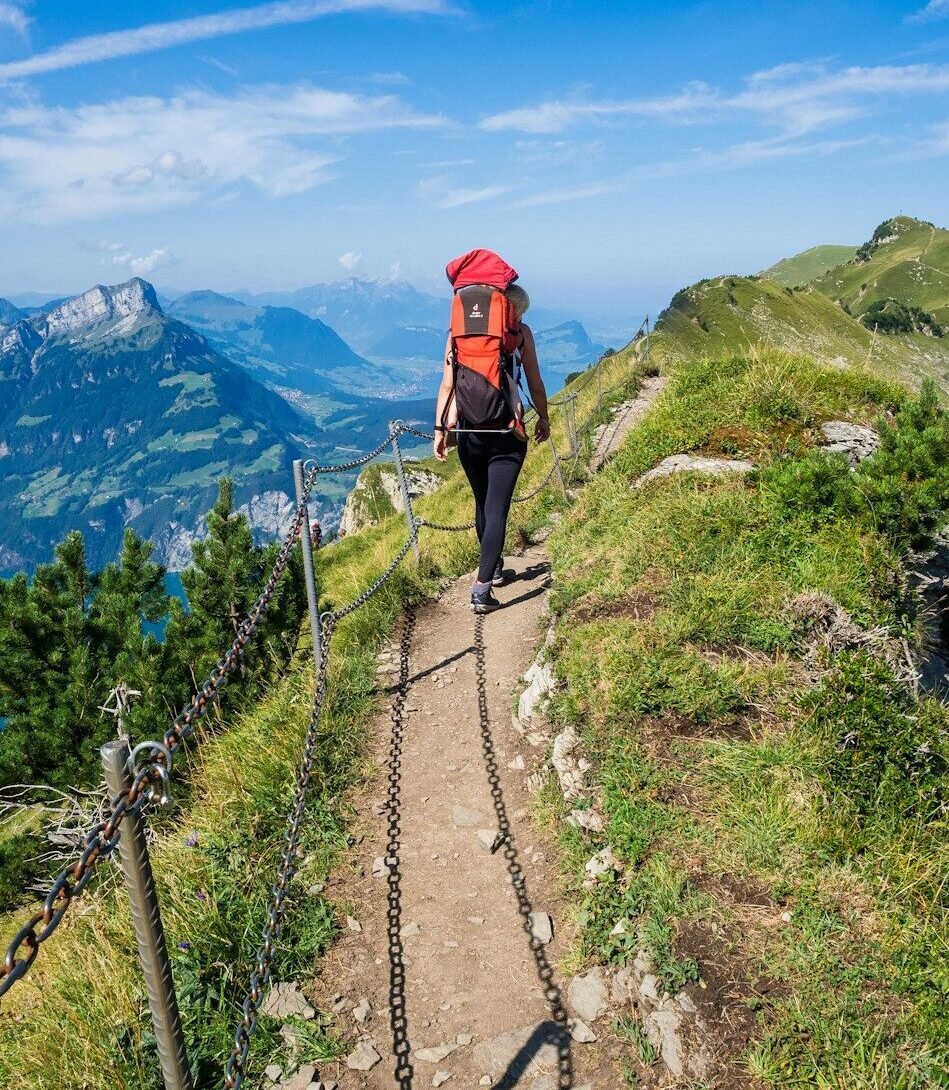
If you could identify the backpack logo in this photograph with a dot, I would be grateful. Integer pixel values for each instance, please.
(476, 312)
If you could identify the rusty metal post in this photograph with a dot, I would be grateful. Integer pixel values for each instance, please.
(309, 571)
(599, 383)
(647, 339)
(149, 934)
(404, 486)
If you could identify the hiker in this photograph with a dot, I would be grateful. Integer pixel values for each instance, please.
(479, 406)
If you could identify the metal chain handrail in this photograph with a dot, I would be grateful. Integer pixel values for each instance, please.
(336, 615)
(149, 784)
(442, 526)
(540, 488)
(236, 1065)
(235, 1070)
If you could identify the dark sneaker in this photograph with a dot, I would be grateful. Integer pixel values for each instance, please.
(483, 601)
(499, 577)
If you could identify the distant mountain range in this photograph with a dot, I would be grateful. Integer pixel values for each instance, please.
(279, 345)
(118, 410)
(114, 413)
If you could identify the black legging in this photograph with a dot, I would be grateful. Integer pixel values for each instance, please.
(491, 463)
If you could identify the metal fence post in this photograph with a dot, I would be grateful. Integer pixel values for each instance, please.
(309, 573)
(404, 485)
(553, 451)
(572, 424)
(149, 934)
(599, 383)
(647, 339)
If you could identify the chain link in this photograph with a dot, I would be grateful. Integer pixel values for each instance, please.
(540, 488)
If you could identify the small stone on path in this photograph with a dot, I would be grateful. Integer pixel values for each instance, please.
(435, 1054)
(362, 1011)
(486, 838)
(587, 994)
(353, 924)
(285, 999)
(364, 1058)
(273, 1072)
(542, 927)
(581, 1032)
(441, 1077)
(409, 931)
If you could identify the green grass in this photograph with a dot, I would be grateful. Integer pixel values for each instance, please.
(81, 1011)
(911, 266)
(718, 317)
(725, 764)
(802, 268)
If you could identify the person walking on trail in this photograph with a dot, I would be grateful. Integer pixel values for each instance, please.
(479, 406)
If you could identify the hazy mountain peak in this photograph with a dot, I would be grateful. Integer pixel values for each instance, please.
(102, 304)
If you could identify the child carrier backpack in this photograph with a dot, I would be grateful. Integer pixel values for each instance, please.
(486, 339)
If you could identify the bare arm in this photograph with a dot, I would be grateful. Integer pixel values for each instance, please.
(535, 384)
(444, 392)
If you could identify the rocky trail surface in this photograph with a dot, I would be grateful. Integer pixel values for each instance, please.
(448, 970)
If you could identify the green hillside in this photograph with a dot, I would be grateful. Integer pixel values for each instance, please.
(802, 268)
(906, 260)
(731, 313)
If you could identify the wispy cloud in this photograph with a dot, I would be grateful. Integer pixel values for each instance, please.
(571, 193)
(350, 260)
(14, 18)
(155, 36)
(137, 154)
(935, 9)
(444, 194)
(794, 98)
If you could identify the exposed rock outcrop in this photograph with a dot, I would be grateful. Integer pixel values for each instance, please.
(101, 304)
(690, 463)
(377, 494)
(857, 441)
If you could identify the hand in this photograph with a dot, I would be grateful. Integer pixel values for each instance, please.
(542, 430)
(441, 446)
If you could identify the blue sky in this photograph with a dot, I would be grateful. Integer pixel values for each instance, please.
(613, 152)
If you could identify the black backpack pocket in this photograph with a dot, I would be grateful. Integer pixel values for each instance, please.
(480, 404)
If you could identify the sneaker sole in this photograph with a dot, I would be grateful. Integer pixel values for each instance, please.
(484, 609)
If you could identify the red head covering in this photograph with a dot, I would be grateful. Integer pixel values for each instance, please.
(480, 267)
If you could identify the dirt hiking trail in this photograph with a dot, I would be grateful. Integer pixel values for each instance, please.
(452, 976)
(448, 970)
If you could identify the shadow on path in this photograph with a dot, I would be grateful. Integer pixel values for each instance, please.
(398, 1017)
(557, 1031)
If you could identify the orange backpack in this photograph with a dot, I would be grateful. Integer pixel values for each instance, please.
(486, 339)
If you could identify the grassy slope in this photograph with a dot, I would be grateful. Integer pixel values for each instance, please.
(720, 778)
(81, 1011)
(733, 312)
(912, 267)
(802, 268)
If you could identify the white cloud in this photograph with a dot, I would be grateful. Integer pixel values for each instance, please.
(119, 255)
(155, 36)
(794, 98)
(391, 79)
(147, 263)
(350, 260)
(935, 9)
(14, 17)
(137, 154)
